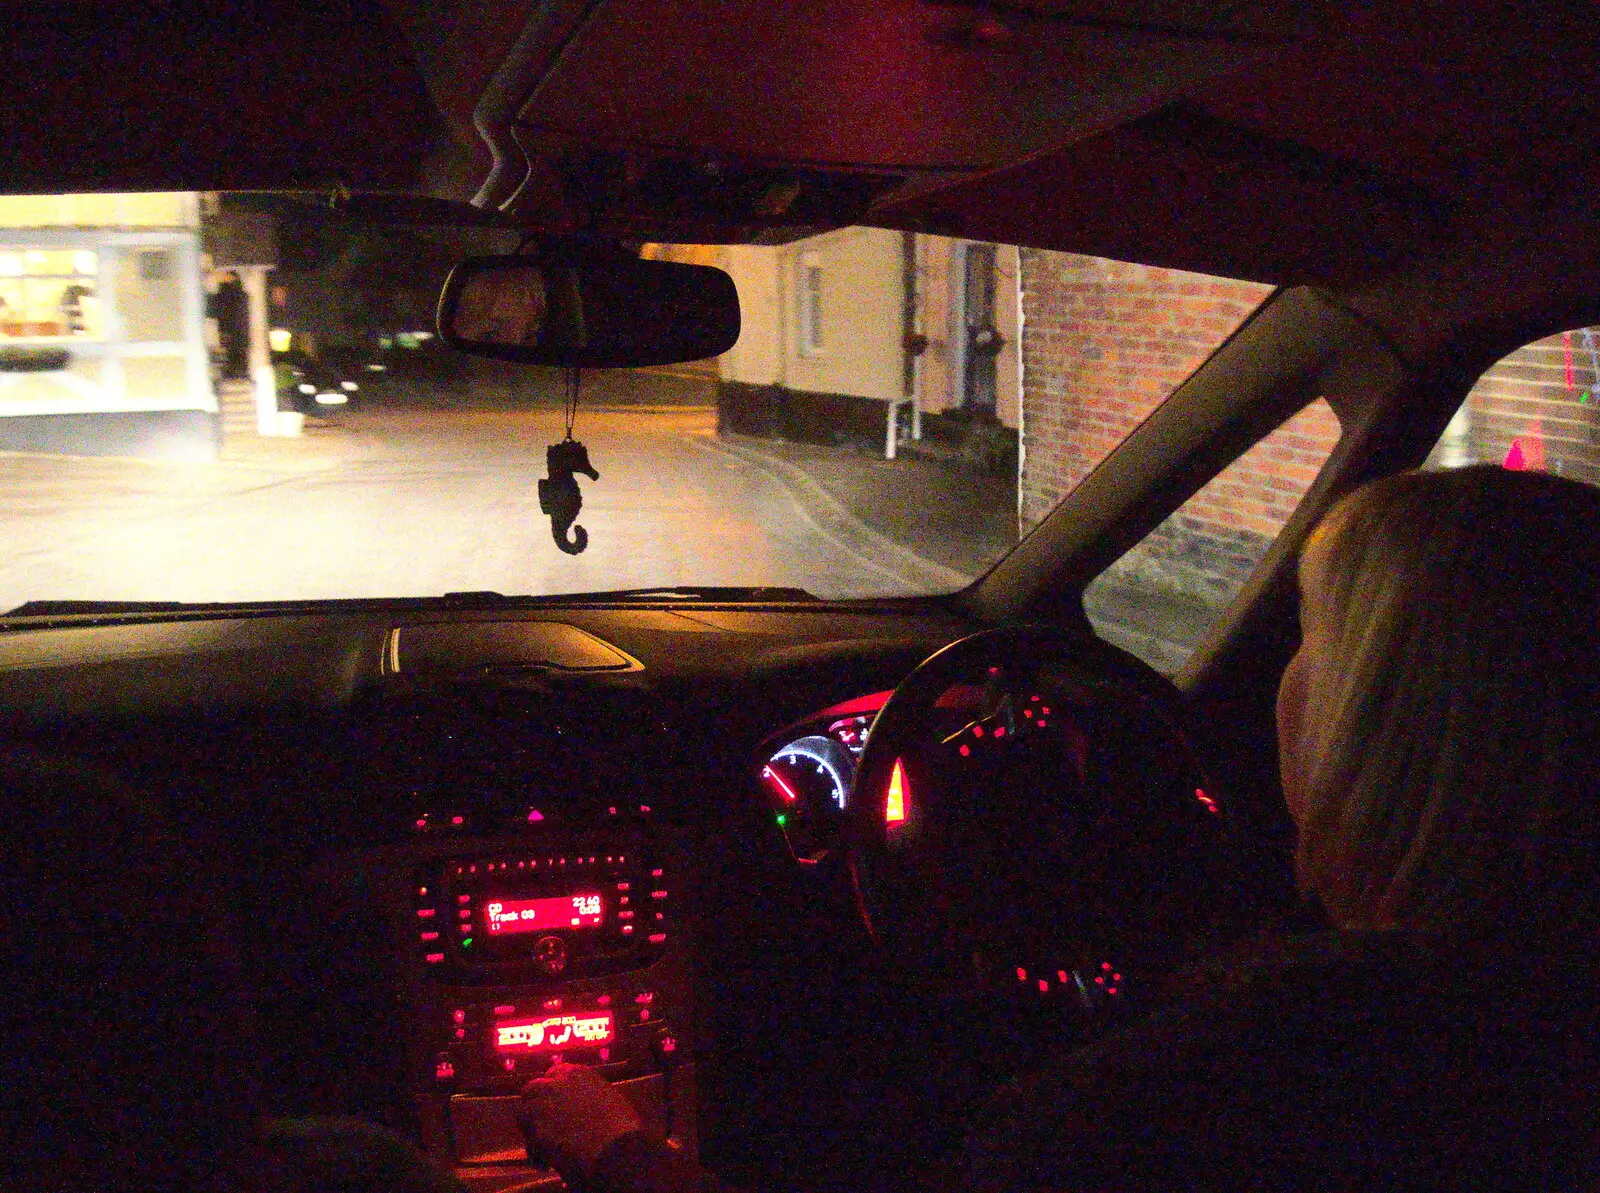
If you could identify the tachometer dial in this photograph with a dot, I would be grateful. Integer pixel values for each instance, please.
(812, 774)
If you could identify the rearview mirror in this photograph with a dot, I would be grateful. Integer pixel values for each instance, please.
(588, 310)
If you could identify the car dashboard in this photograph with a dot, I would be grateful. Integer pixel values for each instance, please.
(459, 846)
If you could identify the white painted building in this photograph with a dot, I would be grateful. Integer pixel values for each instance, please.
(102, 345)
(863, 326)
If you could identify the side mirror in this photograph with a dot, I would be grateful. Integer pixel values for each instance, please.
(588, 310)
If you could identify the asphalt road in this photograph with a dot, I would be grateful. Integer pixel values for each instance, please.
(425, 497)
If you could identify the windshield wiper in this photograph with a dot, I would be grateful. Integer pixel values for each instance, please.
(669, 592)
(677, 592)
(65, 608)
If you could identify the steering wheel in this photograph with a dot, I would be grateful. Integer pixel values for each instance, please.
(1028, 819)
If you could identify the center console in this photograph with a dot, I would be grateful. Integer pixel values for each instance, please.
(557, 942)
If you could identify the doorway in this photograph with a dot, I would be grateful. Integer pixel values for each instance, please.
(981, 340)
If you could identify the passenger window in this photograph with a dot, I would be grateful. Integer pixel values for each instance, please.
(1161, 598)
(1536, 409)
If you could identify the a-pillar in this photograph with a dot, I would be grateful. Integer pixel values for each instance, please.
(254, 280)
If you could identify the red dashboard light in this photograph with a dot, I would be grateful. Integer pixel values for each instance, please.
(519, 1036)
(501, 916)
(858, 706)
(894, 811)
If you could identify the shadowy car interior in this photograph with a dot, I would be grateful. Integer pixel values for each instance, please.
(650, 831)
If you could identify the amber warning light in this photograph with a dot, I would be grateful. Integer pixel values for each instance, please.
(503, 916)
(894, 811)
(555, 1032)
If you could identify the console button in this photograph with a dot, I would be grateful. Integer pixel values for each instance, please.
(550, 954)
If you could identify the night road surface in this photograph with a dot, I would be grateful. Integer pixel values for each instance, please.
(417, 501)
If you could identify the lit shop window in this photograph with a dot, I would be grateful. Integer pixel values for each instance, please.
(49, 294)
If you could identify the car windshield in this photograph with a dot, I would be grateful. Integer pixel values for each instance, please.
(219, 398)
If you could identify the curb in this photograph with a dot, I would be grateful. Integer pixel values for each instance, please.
(831, 518)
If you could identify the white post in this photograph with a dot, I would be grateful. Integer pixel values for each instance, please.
(891, 434)
(254, 280)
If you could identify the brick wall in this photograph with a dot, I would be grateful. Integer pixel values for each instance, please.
(1103, 343)
(1539, 405)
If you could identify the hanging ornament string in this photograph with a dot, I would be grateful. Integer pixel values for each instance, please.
(569, 405)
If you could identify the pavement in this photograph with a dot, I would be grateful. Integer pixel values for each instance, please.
(431, 489)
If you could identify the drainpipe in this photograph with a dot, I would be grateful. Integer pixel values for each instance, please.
(1022, 395)
(913, 344)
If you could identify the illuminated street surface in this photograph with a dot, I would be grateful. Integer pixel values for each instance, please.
(416, 501)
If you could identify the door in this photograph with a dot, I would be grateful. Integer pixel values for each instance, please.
(982, 337)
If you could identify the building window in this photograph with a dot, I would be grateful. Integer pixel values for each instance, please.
(810, 305)
(49, 294)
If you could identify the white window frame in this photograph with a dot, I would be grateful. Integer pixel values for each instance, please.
(808, 305)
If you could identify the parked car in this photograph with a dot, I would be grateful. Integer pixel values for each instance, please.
(314, 384)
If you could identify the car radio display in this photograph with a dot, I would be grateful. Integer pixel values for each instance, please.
(514, 1036)
(503, 917)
